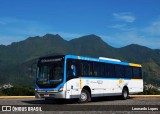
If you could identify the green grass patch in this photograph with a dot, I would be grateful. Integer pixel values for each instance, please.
(18, 91)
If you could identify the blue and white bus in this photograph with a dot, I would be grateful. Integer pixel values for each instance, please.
(70, 76)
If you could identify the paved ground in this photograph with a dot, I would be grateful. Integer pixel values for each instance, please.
(100, 101)
(96, 105)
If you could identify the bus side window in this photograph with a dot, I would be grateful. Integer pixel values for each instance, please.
(78, 68)
(128, 72)
(102, 69)
(94, 72)
(136, 72)
(82, 68)
(140, 71)
(110, 70)
(71, 69)
(90, 69)
(95, 69)
(87, 69)
(106, 71)
(119, 69)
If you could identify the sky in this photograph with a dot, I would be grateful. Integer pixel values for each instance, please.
(117, 22)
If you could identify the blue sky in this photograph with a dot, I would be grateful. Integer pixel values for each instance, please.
(117, 22)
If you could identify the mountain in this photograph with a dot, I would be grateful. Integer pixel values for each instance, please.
(91, 45)
(137, 53)
(18, 58)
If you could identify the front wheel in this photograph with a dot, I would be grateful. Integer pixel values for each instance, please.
(124, 93)
(84, 96)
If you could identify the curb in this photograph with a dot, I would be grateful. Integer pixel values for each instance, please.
(144, 96)
(16, 97)
(32, 97)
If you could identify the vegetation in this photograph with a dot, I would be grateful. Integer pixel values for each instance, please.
(150, 92)
(16, 59)
(18, 91)
(29, 91)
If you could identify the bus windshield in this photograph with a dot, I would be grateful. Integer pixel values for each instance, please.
(50, 74)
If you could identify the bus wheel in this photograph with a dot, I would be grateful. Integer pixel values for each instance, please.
(84, 96)
(124, 93)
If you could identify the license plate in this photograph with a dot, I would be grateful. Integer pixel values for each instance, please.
(46, 95)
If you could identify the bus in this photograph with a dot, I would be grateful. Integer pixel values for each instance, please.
(71, 76)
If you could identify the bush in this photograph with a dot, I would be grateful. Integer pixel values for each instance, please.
(150, 92)
(18, 91)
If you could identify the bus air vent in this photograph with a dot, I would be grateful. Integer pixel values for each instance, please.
(109, 59)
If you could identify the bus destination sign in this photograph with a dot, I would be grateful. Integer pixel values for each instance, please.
(51, 60)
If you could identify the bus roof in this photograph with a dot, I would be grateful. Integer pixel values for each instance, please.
(100, 59)
(108, 60)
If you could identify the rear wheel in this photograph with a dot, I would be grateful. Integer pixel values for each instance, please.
(124, 93)
(84, 96)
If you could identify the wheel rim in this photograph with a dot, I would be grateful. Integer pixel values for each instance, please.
(83, 96)
(125, 94)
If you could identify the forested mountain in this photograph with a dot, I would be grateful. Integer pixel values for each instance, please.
(17, 58)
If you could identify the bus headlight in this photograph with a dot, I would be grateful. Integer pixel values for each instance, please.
(61, 89)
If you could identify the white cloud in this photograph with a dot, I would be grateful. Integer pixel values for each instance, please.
(154, 28)
(122, 27)
(125, 35)
(125, 16)
(126, 38)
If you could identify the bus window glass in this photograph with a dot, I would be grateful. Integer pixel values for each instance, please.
(128, 72)
(136, 73)
(102, 69)
(110, 70)
(140, 71)
(96, 69)
(119, 69)
(71, 69)
(86, 68)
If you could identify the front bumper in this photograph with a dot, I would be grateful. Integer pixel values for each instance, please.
(47, 94)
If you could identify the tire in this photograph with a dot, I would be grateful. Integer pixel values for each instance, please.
(48, 99)
(124, 93)
(84, 96)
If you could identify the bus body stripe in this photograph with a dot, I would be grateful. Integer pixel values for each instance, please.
(136, 79)
(80, 83)
(135, 65)
(79, 57)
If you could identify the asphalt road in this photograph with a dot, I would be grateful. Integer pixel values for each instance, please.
(112, 103)
(97, 101)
